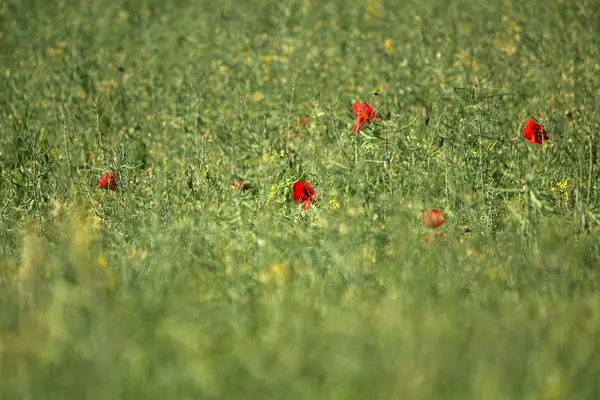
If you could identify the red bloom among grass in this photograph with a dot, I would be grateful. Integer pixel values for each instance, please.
(433, 218)
(304, 193)
(108, 181)
(534, 132)
(364, 115)
(238, 184)
(303, 122)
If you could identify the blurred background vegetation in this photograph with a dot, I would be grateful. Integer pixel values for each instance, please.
(175, 286)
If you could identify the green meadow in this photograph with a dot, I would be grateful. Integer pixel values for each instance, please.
(180, 285)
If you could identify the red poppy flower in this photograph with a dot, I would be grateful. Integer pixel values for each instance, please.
(108, 181)
(238, 184)
(433, 218)
(303, 122)
(364, 115)
(303, 193)
(534, 132)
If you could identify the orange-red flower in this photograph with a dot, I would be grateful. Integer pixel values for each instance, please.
(108, 181)
(303, 122)
(534, 132)
(433, 218)
(364, 115)
(303, 193)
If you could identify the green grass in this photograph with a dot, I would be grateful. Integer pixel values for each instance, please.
(175, 286)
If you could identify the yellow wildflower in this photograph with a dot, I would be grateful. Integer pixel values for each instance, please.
(564, 184)
(333, 204)
(257, 96)
(387, 44)
(101, 262)
(277, 273)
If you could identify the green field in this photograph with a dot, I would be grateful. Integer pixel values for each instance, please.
(177, 286)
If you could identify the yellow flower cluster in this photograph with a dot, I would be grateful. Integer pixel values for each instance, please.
(562, 187)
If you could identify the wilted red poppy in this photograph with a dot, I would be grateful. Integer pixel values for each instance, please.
(534, 132)
(108, 181)
(238, 184)
(433, 218)
(304, 194)
(303, 122)
(432, 235)
(364, 115)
